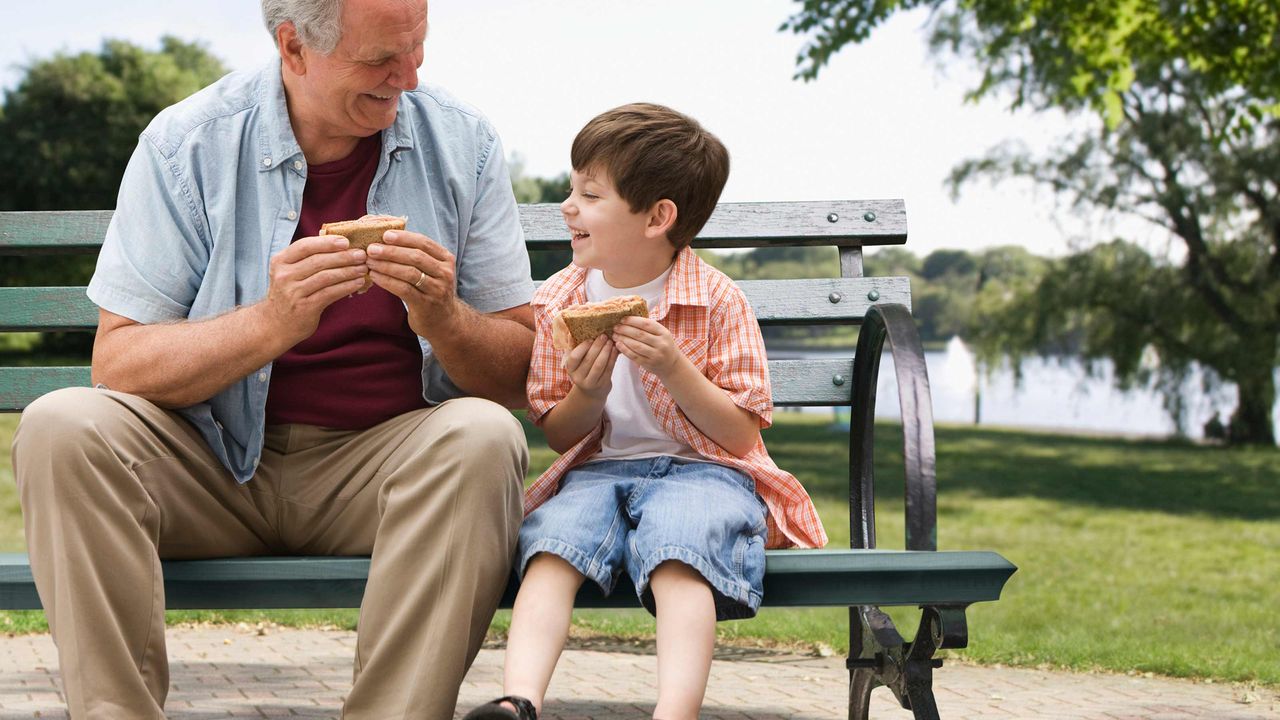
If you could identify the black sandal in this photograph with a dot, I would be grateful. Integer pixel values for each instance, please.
(493, 710)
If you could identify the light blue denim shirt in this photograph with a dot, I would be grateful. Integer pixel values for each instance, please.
(214, 189)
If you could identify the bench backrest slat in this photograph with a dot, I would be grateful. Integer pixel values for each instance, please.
(775, 302)
(856, 223)
(826, 381)
(846, 224)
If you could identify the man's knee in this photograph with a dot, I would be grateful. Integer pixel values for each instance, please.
(56, 428)
(485, 432)
(73, 408)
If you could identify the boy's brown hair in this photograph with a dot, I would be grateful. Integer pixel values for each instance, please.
(652, 152)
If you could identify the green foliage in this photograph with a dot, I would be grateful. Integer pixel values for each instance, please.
(1189, 93)
(1217, 305)
(70, 127)
(1075, 54)
(73, 120)
(777, 263)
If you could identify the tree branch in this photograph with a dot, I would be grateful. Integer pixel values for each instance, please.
(1186, 223)
(1270, 221)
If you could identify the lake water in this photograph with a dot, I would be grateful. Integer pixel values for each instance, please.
(1053, 395)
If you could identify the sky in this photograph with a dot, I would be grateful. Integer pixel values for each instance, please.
(884, 120)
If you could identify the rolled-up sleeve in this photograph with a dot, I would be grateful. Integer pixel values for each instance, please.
(155, 250)
(493, 271)
(736, 359)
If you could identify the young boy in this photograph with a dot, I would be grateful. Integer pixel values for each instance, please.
(662, 473)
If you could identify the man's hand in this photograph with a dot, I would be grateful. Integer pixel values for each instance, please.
(590, 366)
(648, 344)
(307, 277)
(419, 271)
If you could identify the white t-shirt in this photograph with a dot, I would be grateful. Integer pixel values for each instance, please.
(630, 429)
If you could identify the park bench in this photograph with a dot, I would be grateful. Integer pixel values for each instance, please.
(863, 579)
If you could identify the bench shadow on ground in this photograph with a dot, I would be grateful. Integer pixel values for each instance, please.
(608, 710)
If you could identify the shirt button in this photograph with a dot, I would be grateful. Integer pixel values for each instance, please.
(262, 377)
(266, 161)
(297, 164)
(293, 215)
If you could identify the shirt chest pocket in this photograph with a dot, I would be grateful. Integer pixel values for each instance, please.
(694, 348)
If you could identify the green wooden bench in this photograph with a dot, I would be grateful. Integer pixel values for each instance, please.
(862, 578)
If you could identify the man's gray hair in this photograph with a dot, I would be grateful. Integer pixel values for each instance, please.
(319, 22)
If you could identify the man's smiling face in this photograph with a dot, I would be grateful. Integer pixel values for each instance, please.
(355, 90)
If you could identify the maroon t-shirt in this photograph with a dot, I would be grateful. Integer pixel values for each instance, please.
(363, 365)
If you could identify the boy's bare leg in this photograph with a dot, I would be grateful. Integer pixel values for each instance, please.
(539, 626)
(686, 638)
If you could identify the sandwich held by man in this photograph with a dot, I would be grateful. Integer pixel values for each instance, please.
(249, 399)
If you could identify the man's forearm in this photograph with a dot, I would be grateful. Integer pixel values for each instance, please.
(487, 356)
(180, 364)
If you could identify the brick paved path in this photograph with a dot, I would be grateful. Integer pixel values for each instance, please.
(234, 672)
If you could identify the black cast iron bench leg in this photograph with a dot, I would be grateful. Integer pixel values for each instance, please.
(882, 657)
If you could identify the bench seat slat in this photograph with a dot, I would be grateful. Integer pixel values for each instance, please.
(775, 302)
(795, 382)
(793, 578)
(731, 225)
(19, 386)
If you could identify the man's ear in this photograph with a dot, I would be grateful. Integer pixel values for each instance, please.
(662, 217)
(291, 48)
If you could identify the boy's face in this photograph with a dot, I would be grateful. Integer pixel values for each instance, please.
(608, 236)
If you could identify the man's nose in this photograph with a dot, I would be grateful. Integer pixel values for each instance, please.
(405, 74)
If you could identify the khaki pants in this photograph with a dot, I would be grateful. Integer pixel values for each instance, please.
(110, 484)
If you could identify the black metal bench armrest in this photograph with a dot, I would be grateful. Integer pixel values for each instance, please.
(892, 322)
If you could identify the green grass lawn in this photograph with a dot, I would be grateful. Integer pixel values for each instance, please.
(1148, 556)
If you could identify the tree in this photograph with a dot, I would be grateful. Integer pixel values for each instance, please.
(73, 121)
(69, 128)
(1188, 94)
(941, 263)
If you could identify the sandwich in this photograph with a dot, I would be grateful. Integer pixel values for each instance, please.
(577, 324)
(364, 232)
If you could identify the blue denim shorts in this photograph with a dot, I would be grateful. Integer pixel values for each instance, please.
(637, 514)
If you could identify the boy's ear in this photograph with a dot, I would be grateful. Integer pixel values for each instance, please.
(662, 217)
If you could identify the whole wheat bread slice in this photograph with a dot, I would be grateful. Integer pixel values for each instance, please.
(577, 324)
(364, 232)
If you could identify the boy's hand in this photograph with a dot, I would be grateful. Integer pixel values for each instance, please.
(590, 366)
(648, 344)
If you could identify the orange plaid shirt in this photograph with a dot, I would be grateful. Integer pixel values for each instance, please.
(713, 325)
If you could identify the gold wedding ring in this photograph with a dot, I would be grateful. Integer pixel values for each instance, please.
(421, 276)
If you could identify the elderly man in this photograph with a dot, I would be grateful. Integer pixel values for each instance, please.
(248, 403)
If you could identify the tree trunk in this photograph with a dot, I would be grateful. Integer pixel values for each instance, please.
(1251, 422)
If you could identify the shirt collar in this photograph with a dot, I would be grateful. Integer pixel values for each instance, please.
(276, 141)
(685, 286)
(563, 288)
